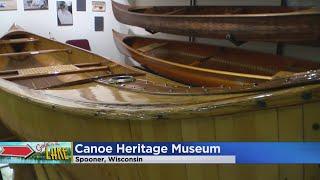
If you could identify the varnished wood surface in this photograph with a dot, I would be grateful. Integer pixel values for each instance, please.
(243, 23)
(208, 65)
(95, 111)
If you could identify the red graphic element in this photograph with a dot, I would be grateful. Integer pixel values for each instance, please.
(16, 151)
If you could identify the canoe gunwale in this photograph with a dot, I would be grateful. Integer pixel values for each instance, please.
(247, 102)
(126, 9)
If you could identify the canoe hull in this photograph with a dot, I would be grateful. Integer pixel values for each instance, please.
(291, 122)
(295, 28)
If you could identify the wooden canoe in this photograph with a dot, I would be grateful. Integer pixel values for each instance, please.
(207, 65)
(238, 23)
(50, 91)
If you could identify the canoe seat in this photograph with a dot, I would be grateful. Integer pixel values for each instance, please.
(48, 69)
(151, 47)
(51, 71)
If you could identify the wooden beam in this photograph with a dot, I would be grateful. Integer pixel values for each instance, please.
(84, 70)
(17, 41)
(32, 53)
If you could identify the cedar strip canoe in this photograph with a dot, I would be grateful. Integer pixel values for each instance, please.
(207, 65)
(236, 23)
(76, 95)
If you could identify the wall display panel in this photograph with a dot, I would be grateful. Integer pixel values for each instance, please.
(64, 13)
(7, 5)
(98, 6)
(81, 5)
(99, 23)
(35, 4)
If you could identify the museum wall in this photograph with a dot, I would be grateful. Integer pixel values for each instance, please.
(303, 52)
(43, 22)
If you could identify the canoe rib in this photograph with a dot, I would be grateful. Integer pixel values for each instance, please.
(35, 52)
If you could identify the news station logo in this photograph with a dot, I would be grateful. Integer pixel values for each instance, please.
(36, 152)
(58, 153)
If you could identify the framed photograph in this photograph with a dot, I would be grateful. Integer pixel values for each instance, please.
(64, 13)
(98, 23)
(35, 4)
(8, 5)
(81, 5)
(98, 6)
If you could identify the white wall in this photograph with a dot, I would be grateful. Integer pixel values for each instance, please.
(42, 22)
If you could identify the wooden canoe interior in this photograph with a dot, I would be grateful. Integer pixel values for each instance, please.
(207, 57)
(215, 10)
(30, 61)
(67, 72)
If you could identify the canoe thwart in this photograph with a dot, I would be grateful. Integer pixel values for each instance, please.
(151, 47)
(35, 52)
(19, 40)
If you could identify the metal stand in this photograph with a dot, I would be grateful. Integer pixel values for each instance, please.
(192, 3)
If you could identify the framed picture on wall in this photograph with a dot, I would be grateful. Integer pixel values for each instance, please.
(35, 4)
(98, 6)
(64, 13)
(99, 23)
(8, 5)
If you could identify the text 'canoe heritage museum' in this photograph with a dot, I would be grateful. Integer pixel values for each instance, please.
(155, 90)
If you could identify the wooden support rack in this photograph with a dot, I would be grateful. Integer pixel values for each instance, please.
(32, 53)
(18, 41)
